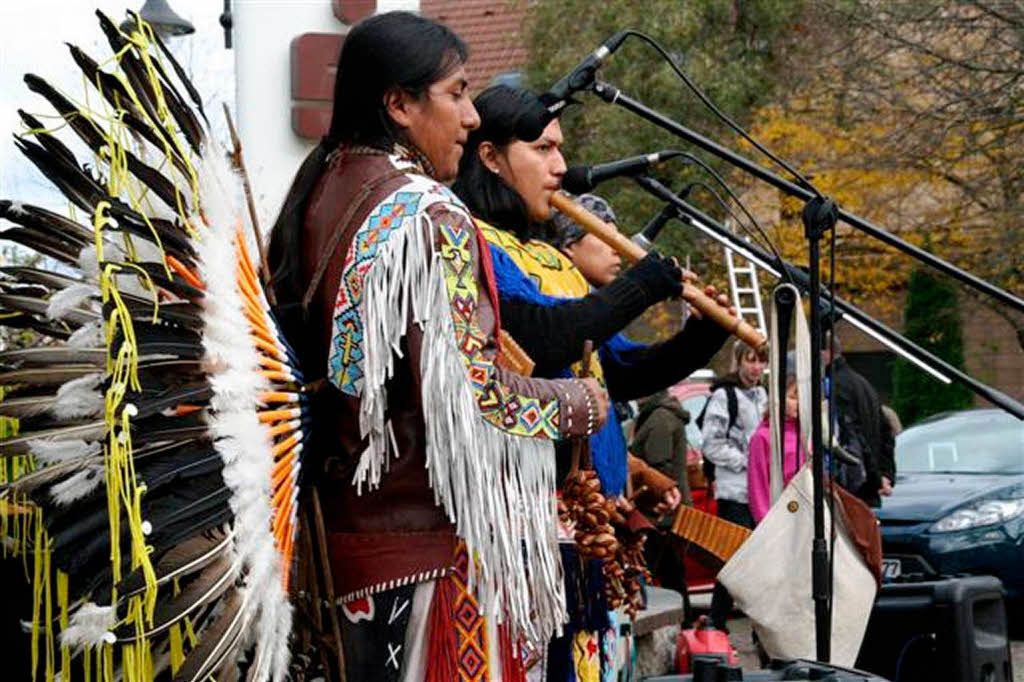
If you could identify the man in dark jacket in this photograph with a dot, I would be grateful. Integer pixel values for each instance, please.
(660, 438)
(863, 430)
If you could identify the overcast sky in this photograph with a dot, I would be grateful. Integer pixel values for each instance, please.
(32, 37)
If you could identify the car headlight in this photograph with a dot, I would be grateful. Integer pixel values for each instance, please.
(987, 513)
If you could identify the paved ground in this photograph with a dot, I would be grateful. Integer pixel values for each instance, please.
(740, 635)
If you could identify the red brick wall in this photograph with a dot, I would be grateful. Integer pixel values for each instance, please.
(491, 28)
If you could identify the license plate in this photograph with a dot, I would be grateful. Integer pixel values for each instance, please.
(891, 568)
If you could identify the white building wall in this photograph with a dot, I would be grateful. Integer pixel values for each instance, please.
(263, 32)
(253, 78)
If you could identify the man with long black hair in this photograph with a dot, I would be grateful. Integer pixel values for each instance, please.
(439, 472)
(512, 166)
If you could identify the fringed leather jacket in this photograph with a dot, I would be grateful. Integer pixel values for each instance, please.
(426, 439)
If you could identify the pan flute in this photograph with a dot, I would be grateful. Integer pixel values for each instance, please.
(719, 537)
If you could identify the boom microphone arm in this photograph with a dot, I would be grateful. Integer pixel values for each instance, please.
(926, 361)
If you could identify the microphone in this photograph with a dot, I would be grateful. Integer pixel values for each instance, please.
(645, 237)
(581, 179)
(580, 77)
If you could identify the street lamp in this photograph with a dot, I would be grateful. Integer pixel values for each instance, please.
(163, 19)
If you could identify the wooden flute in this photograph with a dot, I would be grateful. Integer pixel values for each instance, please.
(632, 252)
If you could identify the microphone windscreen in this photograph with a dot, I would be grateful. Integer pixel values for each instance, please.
(577, 180)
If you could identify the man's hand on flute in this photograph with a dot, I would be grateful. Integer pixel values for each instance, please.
(721, 299)
(690, 277)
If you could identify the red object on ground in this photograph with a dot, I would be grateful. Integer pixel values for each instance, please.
(705, 640)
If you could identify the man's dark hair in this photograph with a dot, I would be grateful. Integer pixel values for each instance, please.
(506, 114)
(394, 50)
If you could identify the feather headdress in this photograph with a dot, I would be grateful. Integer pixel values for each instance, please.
(153, 436)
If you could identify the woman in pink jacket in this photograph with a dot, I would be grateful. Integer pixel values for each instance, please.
(793, 457)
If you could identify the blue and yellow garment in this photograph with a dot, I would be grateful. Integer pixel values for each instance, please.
(537, 272)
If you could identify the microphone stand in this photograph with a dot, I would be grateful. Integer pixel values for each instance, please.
(819, 216)
(613, 95)
(923, 359)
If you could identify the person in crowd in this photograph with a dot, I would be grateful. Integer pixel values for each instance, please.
(794, 453)
(385, 293)
(731, 416)
(512, 166)
(660, 440)
(863, 430)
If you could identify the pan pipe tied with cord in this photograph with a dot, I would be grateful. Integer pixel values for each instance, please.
(152, 430)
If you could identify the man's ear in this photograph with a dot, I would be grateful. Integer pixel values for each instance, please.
(396, 103)
(488, 155)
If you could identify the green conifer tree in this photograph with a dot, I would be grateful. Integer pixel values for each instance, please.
(932, 320)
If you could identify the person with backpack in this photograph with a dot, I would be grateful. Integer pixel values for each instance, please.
(729, 419)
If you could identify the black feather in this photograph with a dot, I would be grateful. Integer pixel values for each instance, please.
(181, 111)
(182, 77)
(26, 408)
(183, 313)
(53, 355)
(90, 432)
(190, 394)
(46, 376)
(159, 428)
(210, 584)
(217, 642)
(95, 138)
(174, 284)
(42, 244)
(138, 78)
(29, 483)
(181, 560)
(156, 339)
(173, 237)
(47, 278)
(72, 180)
(52, 144)
(43, 220)
(114, 92)
(37, 306)
(54, 329)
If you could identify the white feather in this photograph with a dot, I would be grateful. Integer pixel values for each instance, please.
(88, 626)
(242, 441)
(79, 398)
(77, 486)
(89, 335)
(70, 298)
(88, 263)
(54, 452)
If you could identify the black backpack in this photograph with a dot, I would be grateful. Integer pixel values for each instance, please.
(734, 412)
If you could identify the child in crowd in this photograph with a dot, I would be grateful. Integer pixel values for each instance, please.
(794, 453)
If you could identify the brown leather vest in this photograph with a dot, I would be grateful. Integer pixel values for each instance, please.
(396, 533)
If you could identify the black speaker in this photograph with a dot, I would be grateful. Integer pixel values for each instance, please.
(780, 671)
(949, 630)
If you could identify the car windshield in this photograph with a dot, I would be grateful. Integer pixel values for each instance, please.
(969, 442)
